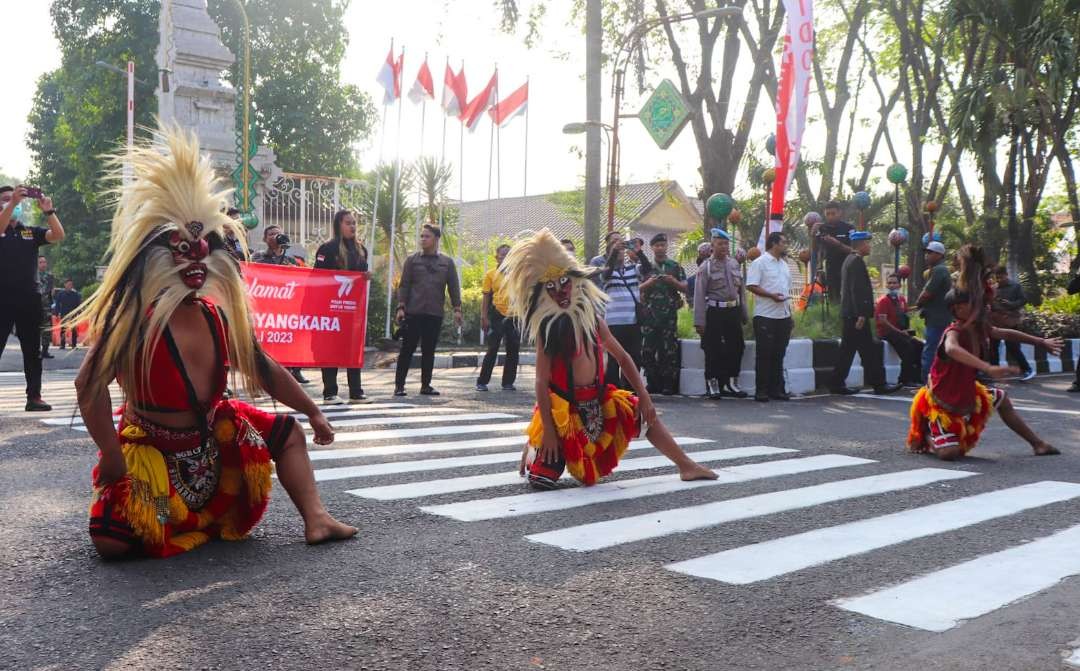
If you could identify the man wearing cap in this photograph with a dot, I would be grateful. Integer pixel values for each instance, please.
(20, 302)
(857, 315)
(662, 293)
(935, 311)
(719, 315)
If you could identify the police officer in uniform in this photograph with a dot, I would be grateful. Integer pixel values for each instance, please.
(719, 315)
(20, 302)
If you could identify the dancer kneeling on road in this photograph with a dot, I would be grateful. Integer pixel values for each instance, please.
(949, 414)
(184, 465)
(580, 423)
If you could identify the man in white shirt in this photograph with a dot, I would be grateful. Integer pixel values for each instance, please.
(769, 279)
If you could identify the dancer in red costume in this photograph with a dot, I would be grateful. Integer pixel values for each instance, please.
(949, 414)
(171, 315)
(579, 424)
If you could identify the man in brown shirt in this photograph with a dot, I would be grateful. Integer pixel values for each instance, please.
(719, 315)
(425, 281)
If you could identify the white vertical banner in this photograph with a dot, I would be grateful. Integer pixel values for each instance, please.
(792, 100)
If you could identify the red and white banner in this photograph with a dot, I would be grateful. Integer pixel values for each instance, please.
(483, 101)
(511, 106)
(308, 317)
(389, 76)
(792, 98)
(423, 87)
(455, 92)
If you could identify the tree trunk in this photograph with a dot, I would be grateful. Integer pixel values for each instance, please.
(1069, 173)
(593, 55)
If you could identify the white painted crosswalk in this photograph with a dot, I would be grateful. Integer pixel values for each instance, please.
(455, 463)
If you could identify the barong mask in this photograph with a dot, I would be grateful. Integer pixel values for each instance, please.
(166, 246)
(551, 294)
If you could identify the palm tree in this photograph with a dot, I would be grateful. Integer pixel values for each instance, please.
(434, 180)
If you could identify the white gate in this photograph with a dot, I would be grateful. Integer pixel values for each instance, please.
(303, 206)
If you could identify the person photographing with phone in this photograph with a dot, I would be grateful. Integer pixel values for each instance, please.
(20, 300)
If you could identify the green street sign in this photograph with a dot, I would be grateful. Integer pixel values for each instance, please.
(664, 114)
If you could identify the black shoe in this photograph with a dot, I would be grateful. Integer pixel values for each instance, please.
(886, 389)
(509, 387)
(782, 396)
(359, 398)
(37, 405)
(732, 389)
(669, 392)
(399, 391)
(761, 398)
(331, 398)
(62, 347)
(47, 356)
(481, 387)
(300, 378)
(844, 391)
(1074, 388)
(429, 391)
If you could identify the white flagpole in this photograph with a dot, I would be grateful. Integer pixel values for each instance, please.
(393, 214)
(420, 156)
(525, 178)
(498, 139)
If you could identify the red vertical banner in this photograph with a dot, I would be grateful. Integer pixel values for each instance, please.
(309, 317)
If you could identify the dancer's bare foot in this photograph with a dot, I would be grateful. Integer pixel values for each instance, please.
(949, 453)
(695, 471)
(325, 529)
(1045, 450)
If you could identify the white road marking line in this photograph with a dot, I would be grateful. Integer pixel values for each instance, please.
(467, 483)
(751, 563)
(366, 470)
(380, 421)
(393, 409)
(597, 535)
(451, 446)
(1021, 408)
(394, 434)
(563, 499)
(941, 600)
(1074, 659)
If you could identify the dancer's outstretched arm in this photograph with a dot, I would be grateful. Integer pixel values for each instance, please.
(1053, 345)
(284, 389)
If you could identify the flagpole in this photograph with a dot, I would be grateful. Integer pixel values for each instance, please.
(498, 139)
(419, 183)
(393, 214)
(525, 178)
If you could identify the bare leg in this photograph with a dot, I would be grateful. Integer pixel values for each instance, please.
(689, 469)
(294, 472)
(1013, 420)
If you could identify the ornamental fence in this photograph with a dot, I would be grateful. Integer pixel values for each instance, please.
(303, 206)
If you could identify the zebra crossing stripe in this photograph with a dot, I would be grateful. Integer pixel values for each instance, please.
(432, 487)
(452, 446)
(941, 600)
(1074, 659)
(397, 420)
(597, 535)
(393, 409)
(751, 563)
(564, 499)
(395, 434)
(1021, 408)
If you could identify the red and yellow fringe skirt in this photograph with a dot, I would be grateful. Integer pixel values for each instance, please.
(590, 455)
(931, 423)
(180, 492)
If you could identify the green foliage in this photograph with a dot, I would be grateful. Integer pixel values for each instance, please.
(309, 118)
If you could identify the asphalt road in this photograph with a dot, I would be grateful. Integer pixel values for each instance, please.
(811, 574)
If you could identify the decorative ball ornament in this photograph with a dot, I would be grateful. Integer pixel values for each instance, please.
(804, 256)
(740, 255)
(250, 221)
(810, 219)
(903, 272)
(926, 238)
(898, 236)
(896, 173)
(861, 200)
(769, 175)
(753, 253)
(931, 206)
(770, 144)
(719, 206)
(735, 217)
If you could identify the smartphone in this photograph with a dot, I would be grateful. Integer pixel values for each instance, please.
(33, 192)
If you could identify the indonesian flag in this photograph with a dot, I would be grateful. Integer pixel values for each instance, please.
(792, 98)
(423, 86)
(455, 92)
(389, 76)
(511, 106)
(487, 98)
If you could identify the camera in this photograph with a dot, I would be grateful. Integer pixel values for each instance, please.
(33, 192)
(282, 240)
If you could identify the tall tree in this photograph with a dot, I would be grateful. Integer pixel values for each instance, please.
(309, 118)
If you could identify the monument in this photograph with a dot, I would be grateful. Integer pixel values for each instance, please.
(191, 92)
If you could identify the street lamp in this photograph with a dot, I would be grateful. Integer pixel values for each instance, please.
(622, 56)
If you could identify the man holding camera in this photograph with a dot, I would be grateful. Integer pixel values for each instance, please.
(20, 302)
(274, 255)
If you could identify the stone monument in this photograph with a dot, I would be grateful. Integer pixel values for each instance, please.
(191, 58)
